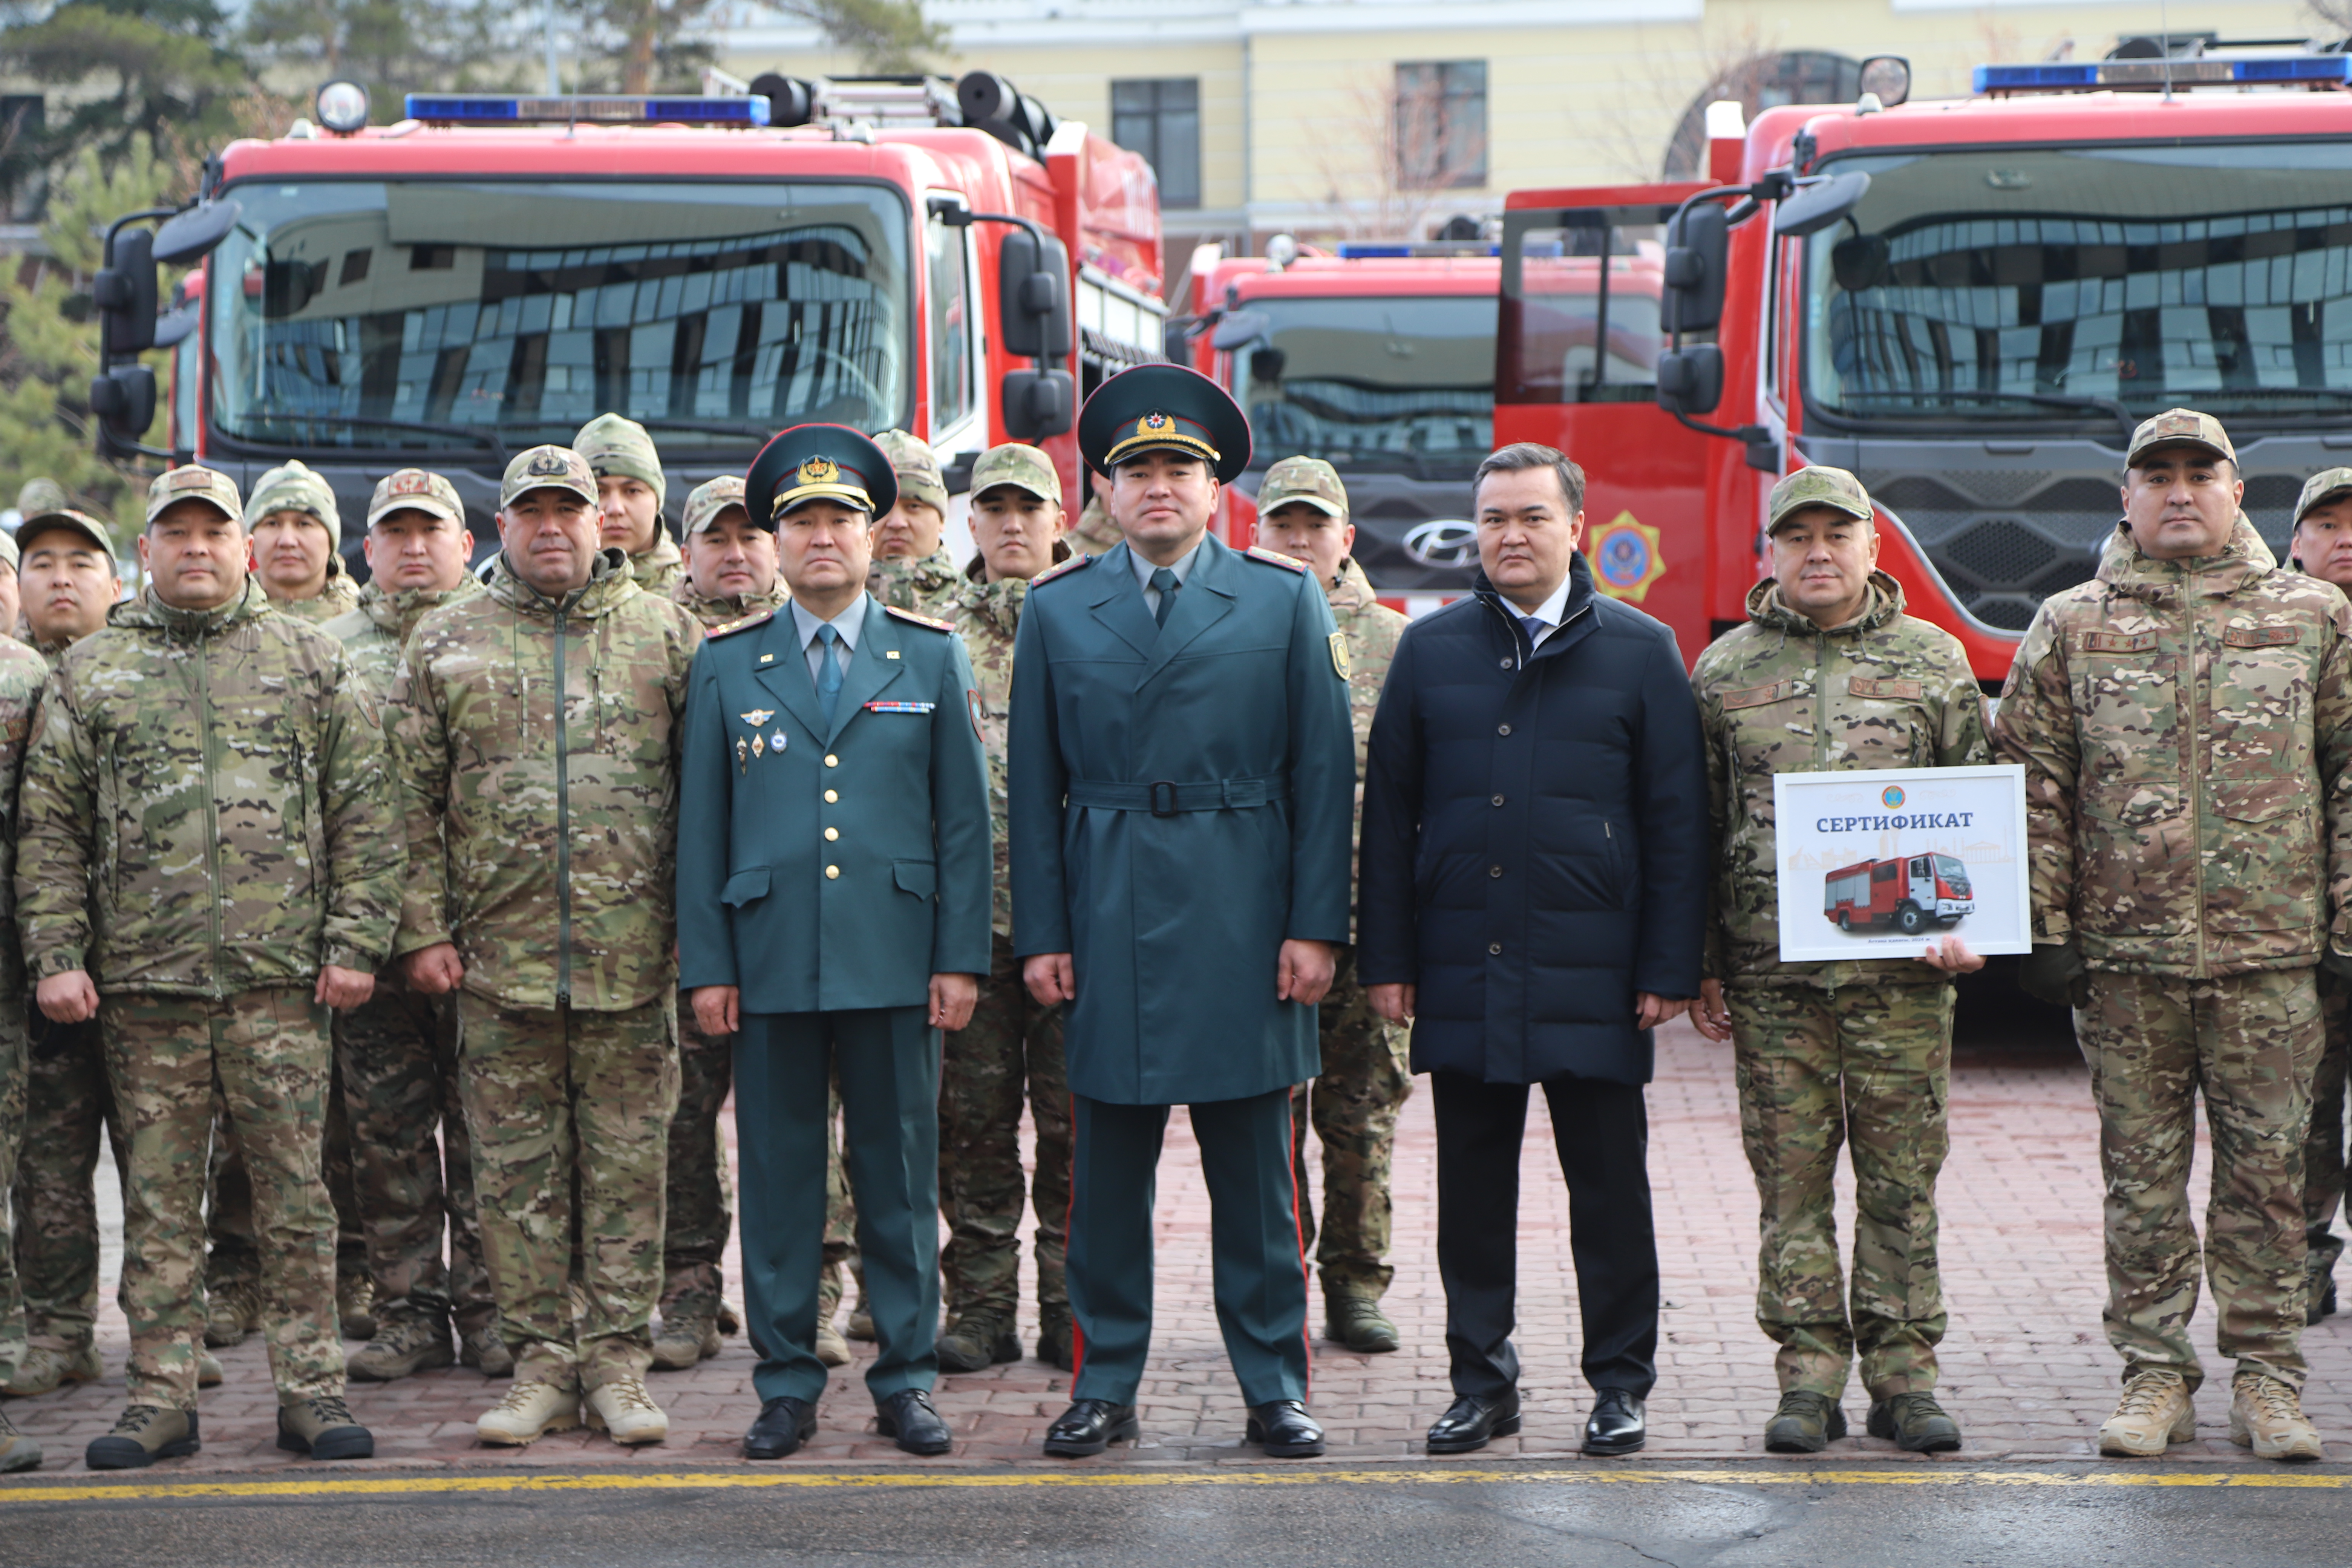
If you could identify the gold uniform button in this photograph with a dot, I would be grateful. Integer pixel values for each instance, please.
(833, 761)
(831, 797)
(831, 834)
(832, 873)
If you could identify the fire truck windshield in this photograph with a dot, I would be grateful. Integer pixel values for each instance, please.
(1955, 875)
(1404, 385)
(481, 316)
(2092, 284)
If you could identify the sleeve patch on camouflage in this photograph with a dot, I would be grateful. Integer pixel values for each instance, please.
(2262, 637)
(1886, 690)
(1756, 696)
(2118, 642)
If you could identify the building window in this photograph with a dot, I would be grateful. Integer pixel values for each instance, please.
(1440, 123)
(1160, 118)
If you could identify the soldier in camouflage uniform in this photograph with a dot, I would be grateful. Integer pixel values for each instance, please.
(210, 859)
(297, 539)
(1095, 532)
(2323, 548)
(22, 674)
(630, 492)
(1367, 1074)
(398, 1052)
(1830, 675)
(1012, 1049)
(2185, 725)
(535, 728)
(912, 570)
(730, 573)
(70, 582)
(37, 496)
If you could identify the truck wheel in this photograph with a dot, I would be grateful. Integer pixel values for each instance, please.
(1845, 920)
(1909, 920)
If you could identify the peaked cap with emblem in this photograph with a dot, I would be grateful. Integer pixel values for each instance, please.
(548, 469)
(819, 462)
(1163, 409)
(1817, 484)
(2180, 428)
(706, 502)
(416, 490)
(193, 483)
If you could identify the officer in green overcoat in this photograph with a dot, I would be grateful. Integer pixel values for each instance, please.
(833, 871)
(1181, 786)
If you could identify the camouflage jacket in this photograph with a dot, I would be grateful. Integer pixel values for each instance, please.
(51, 652)
(711, 612)
(987, 614)
(2185, 728)
(1093, 533)
(546, 828)
(373, 633)
(207, 806)
(340, 596)
(1781, 695)
(658, 568)
(23, 673)
(929, 586)
(1371, 629)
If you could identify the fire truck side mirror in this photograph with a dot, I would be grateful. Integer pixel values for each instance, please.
(124, 292)
(189, 236)
(1034, 295)
(123, 399)
(1690, 379)
(1698, 247)
(1037, 404)
(1820, 206)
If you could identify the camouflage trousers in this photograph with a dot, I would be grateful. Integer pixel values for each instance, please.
(264, 1056)
(840, 1219)
(2322, 1150)
(1868, 1067)
(2249, 1042)
(69, 1106)
(412, 1157)
(701, 1197)
(234, 1253)
(14, 1060)
(1354, 1106)
(555, 1098)
(1011, 1051)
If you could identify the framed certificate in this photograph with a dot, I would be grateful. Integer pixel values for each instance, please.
(1877, 863)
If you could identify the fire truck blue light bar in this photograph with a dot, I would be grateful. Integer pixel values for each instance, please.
(583, 109)
(2089, 76)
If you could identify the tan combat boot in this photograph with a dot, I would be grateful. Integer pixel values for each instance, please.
(49, 1364)
(17, 1452)
(2266, 1415)
(486, 1351)
(2154, 1413)
(143, 1433)
(831, 1348)
(355, 1306)
(684, 1340)
(623, 1408)
(209, 1373)
(232, 1312)
(404, 1344)
(322, 1427)
(532, 1408)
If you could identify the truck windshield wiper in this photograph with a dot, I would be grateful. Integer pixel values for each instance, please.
(2113, 410)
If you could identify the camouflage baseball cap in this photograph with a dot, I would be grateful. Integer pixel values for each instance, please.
(2179, 426)
(917, 466)
(1309, 479)
(38, 496)
(1816, 486)
(292, 487)
(706, 501)
(8, 556)
(1022, 466)
(195, 483)
(548, 469)
(615, 445)
(80, 523)
(2323, 486)
(415, 490)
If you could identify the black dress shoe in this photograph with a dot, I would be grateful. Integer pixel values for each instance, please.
(1470, 1424)
(1286, 1429)
(911, 1417)
(1615, 1425)
(1089, 1426)
(784, 1424)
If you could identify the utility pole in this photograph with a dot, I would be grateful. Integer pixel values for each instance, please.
(554, 78)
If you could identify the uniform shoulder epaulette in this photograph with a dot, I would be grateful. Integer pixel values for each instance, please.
(920, 620)
(1275, 558)
(746, 623)
(1075, 564)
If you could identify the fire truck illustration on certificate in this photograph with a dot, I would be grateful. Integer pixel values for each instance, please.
(1910, 892)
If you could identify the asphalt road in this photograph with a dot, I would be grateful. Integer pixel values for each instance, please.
(1572, 1513)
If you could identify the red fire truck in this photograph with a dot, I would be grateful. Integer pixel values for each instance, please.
(1379, 359)
(490, 272)
(1969, 303)
(1910, 893)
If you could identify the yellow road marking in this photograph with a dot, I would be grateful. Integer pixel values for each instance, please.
(381, 1486)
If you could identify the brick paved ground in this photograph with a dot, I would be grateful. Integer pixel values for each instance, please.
(2027, 1370)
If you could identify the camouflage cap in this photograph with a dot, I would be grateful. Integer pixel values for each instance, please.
(195, 483)
(1309, 479)
(2323, 486)
(38, 496)
(706, 501)
(548, 469)
(917, 466)
(8, 556)
(1022, 466)
(415, 490)
(80, 523)
(1816, 485)
(615, 445)
(2179, 426)
(292, 487)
